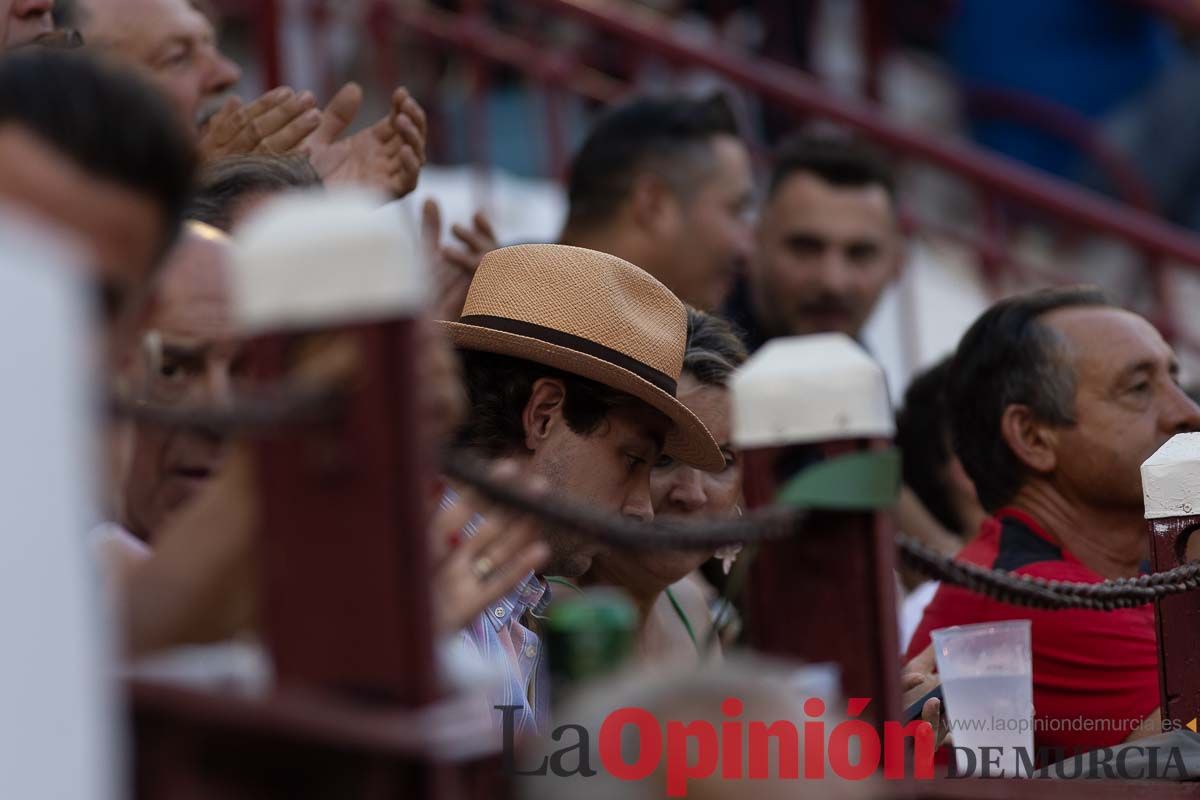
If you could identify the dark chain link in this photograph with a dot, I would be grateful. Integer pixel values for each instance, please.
(1024, 590)
(780, 522)
(772, 523)
(264, 411)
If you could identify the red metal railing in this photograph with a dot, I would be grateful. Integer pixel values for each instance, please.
(1002, 183)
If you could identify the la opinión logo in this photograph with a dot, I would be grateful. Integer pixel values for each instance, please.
(852, 749)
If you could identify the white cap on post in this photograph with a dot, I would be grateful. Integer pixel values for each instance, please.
(1171, 478)
(321, 259)
(809, 389)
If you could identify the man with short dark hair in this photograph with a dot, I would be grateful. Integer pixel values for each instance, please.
(93, 151)
(929, 466)
(828, 242)
(666, 184)
(1056, 398)
(572, 358)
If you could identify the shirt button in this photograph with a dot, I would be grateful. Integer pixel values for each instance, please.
(499, 612)
(531, 652)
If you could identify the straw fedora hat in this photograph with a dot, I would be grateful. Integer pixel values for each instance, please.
(593, 315)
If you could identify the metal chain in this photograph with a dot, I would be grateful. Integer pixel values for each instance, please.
(779, 522)
(1025, 590)
(772, 523)
(260, 412)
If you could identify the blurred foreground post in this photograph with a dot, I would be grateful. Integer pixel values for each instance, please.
(58, 733)
(331, 289)
(812, 416)
(1171, 488)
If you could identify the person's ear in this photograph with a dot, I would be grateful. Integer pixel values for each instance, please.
(1033, 442)
(543, 411)
(653, 207)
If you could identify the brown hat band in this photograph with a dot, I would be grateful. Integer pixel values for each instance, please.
(578, 343)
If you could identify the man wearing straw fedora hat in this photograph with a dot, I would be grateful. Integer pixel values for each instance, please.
(571, 359)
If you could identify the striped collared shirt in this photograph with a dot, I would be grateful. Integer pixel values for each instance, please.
(500, 637)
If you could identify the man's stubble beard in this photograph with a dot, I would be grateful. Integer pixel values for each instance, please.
(570, 553)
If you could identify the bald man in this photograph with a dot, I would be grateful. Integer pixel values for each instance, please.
(177, 46)
(184, 491)
(189, 355)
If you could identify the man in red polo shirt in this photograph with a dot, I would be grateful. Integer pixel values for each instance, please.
(1056, 398)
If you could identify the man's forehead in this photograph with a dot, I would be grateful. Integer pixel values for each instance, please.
(194, 291)
(805, 197)
(1107, 339)
(141, 23)
(733, 159)
(642, 422)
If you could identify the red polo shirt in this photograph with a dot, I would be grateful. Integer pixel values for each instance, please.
(1095, 673)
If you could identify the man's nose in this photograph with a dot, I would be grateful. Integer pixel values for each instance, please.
(834, 273)
(223, 74)
(218, 384)
(1183, 415)
(687, 490)
(638, 504)
(744, 241)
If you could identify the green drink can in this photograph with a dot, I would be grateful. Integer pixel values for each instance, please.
(589, 635)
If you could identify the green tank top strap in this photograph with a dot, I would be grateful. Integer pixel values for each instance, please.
(563, 582)
(687, 625)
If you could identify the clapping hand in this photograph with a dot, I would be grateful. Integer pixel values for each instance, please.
(388, 155)
(471, 573)
(454, 265)
(277, 122)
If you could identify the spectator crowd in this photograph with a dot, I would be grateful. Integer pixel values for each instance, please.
(596, 368)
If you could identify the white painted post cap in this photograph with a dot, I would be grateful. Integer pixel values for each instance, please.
(809, 389)
(320, 259)
(1171, 478)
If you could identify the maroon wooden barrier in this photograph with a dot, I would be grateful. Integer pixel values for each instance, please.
(1177, 619)
(1169, 491)
(344, 561)
(346, 619)
(827, 593)
(355, 709)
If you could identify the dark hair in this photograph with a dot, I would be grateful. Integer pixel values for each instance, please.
(498, 388)
(1008, 357)
(713, 351)
(664, 135)
(923, 436)
(838, 159)
(104, 119)
(223, 183)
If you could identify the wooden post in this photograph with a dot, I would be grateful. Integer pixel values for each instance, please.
(345, 569)
(1171, 488)
(827, 593)
(345, 580)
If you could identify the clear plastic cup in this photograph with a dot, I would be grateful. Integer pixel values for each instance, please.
(987, 682)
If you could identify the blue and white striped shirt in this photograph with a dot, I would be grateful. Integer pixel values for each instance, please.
(499, 637)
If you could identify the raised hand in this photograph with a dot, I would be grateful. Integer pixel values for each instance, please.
(277, 122)
(454, 265)
(388, 155)
(471, 573)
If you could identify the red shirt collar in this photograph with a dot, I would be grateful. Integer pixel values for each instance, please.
(1024, 518)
